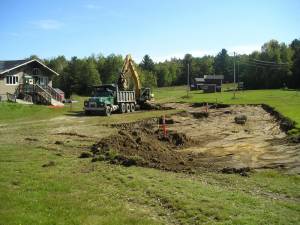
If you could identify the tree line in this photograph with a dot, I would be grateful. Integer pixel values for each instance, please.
(277, 65)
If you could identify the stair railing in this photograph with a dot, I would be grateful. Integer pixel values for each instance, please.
(43, 93)
(54, 93)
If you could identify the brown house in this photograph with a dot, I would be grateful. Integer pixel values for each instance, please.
(29, 80)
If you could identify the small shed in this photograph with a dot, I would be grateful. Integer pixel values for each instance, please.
(209, 83)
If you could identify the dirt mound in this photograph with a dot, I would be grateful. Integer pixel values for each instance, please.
(174, 138)
(144, 145)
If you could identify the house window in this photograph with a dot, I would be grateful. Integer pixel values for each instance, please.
(42, 81)
(36, 71)
(12, 79)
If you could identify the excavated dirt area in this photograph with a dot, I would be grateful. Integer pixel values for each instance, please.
(198, 140)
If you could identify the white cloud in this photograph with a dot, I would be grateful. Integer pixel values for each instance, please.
(48, 24)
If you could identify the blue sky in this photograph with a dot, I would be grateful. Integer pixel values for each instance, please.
(160, 28)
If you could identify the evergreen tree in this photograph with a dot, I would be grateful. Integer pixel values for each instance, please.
(295, 78)
(222, 65)
(147, 64)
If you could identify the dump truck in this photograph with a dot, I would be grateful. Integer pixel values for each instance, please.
(118, 97)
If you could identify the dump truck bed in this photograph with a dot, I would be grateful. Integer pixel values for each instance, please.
(125, 96)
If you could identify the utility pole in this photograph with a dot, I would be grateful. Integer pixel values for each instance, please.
(238, 71)
(234, 75)
(234, 68)
(188, 80)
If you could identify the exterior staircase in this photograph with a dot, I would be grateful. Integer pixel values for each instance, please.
(49, 95)
(38, 94)
(42, 95)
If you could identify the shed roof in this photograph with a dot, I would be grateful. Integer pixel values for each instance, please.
(8, 65)
(199, 79)
(214, 77)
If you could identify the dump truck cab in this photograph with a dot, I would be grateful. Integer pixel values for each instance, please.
(104, 94)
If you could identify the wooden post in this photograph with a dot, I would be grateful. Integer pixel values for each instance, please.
(71, 106)
(188, 80)
(164, 126)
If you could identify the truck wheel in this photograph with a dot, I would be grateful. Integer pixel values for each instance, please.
(107, 111)
(87, 112)
(122, 108)
(127, 107)
(132, 107)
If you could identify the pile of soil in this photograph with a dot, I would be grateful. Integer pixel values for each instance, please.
(143, 144)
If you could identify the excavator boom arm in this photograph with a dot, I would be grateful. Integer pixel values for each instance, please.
(128, 66)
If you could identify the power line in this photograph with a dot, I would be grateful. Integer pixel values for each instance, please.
(264, 64)
(268, 62)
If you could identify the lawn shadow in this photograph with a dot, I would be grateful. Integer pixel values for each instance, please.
(75, 113)
(82, 114)
(289, 89)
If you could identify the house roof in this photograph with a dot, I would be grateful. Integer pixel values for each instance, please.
(8, 65)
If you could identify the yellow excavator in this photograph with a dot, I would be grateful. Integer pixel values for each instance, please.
(118, 97)
(128, 70)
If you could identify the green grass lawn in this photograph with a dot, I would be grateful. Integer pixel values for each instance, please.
(76, 191)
